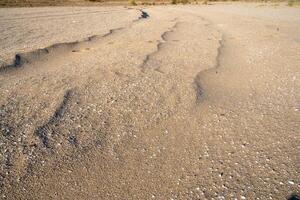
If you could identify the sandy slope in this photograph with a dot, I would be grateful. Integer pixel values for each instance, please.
(26, 29)
(193, 102)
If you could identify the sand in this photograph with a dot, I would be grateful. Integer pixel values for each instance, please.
(189, 102)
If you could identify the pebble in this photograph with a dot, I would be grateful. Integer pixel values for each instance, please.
(291, 182)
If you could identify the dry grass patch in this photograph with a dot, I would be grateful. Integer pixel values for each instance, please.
(132, 2)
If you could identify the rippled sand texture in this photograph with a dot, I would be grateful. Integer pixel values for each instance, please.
(170, 102)
(24, 29)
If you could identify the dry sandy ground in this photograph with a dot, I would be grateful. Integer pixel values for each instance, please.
(192, 102)
(27, 29)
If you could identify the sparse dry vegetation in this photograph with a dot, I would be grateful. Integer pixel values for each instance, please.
(38, 3)
(184, 1)
(148, 3)
(291, 2)
(132, 2)
(180, 1)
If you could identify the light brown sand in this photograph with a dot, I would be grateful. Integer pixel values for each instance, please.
(193, 102)
(27, 29)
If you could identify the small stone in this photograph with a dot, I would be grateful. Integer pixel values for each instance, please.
(291, 182)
